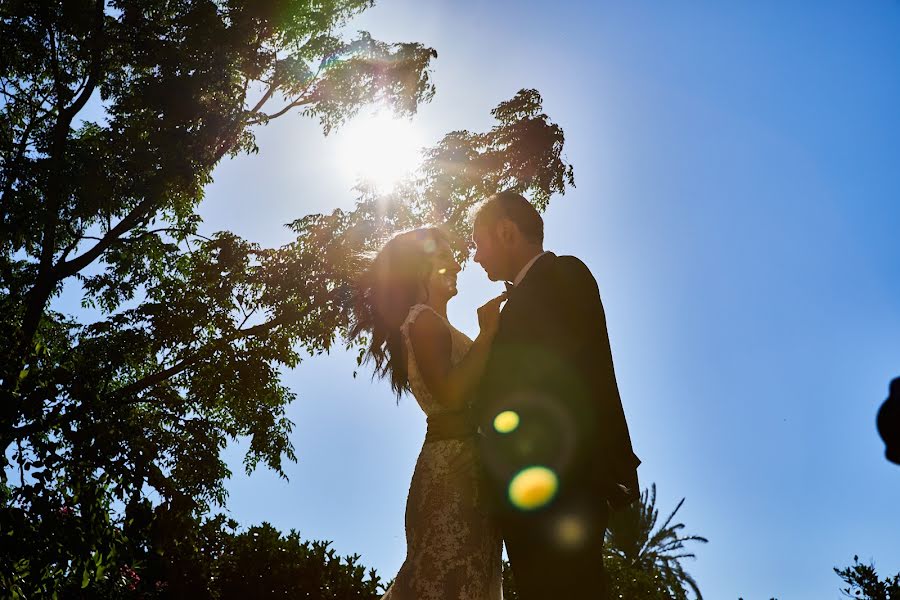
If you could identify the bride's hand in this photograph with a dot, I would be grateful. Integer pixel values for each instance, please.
(489, 315)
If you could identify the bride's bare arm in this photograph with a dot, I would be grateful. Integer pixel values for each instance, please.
(431, 343)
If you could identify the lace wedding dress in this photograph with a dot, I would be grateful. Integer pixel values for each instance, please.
(453, 547)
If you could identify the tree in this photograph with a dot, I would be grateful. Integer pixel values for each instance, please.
(647, 550)
(216, 561)
(260, 563)
(99, 418)
(862, 582)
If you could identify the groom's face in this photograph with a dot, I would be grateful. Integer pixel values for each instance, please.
(490, 251)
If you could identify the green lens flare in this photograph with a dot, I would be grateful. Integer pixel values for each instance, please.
(571, 532)
(507, 421)
(533, 487)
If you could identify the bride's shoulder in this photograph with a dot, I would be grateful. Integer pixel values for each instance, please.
(428, 332)
(422, 317)
(414, 311)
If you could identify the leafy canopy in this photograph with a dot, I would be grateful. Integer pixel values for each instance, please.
(129, 408)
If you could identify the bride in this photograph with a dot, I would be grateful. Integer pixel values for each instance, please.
(452, 545)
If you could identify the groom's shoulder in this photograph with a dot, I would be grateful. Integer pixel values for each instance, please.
(573, 268)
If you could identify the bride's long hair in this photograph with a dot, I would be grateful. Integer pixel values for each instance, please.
(389, 287)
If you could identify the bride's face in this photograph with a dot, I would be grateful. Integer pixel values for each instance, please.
(442, 282)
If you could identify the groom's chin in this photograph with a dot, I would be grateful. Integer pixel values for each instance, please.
(490, 274)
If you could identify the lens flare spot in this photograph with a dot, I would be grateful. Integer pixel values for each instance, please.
(507, 421)
(533, 487)
(442, 271)
(430, 246)
(571, 532)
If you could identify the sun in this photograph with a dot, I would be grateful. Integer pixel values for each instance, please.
(380, 149)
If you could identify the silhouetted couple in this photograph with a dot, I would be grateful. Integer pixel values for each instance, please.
(527, 442)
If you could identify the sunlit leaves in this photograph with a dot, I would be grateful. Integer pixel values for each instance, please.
(395, 75)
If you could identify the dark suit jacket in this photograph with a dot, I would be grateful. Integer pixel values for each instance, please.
(551, 364)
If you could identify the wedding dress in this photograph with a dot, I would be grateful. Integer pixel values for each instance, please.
(453, 547)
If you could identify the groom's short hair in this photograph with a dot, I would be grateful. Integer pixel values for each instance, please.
(517, 209)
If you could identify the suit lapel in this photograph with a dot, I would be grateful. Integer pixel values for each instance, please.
(514, 315)
(534, 278)
(537, 272)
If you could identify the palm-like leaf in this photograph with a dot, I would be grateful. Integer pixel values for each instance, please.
(634, 537)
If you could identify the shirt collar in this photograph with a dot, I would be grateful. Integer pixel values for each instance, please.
(525, 269)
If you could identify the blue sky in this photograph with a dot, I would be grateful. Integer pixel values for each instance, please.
(738, 173)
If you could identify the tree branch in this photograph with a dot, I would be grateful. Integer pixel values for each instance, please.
(54, 64)
(128, 394)
(272, 87)
(70, 267)
(76, 239)
(87, 88)
(11, 170)
(142, 384)
(169, 230)
(264, 99)
(37, 297)
(19, 433)
(298, 102)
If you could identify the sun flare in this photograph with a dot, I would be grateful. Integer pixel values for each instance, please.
(380, 149)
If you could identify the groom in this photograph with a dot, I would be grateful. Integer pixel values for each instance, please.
(554, 446)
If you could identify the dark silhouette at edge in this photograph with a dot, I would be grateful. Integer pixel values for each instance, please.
(889, 422)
